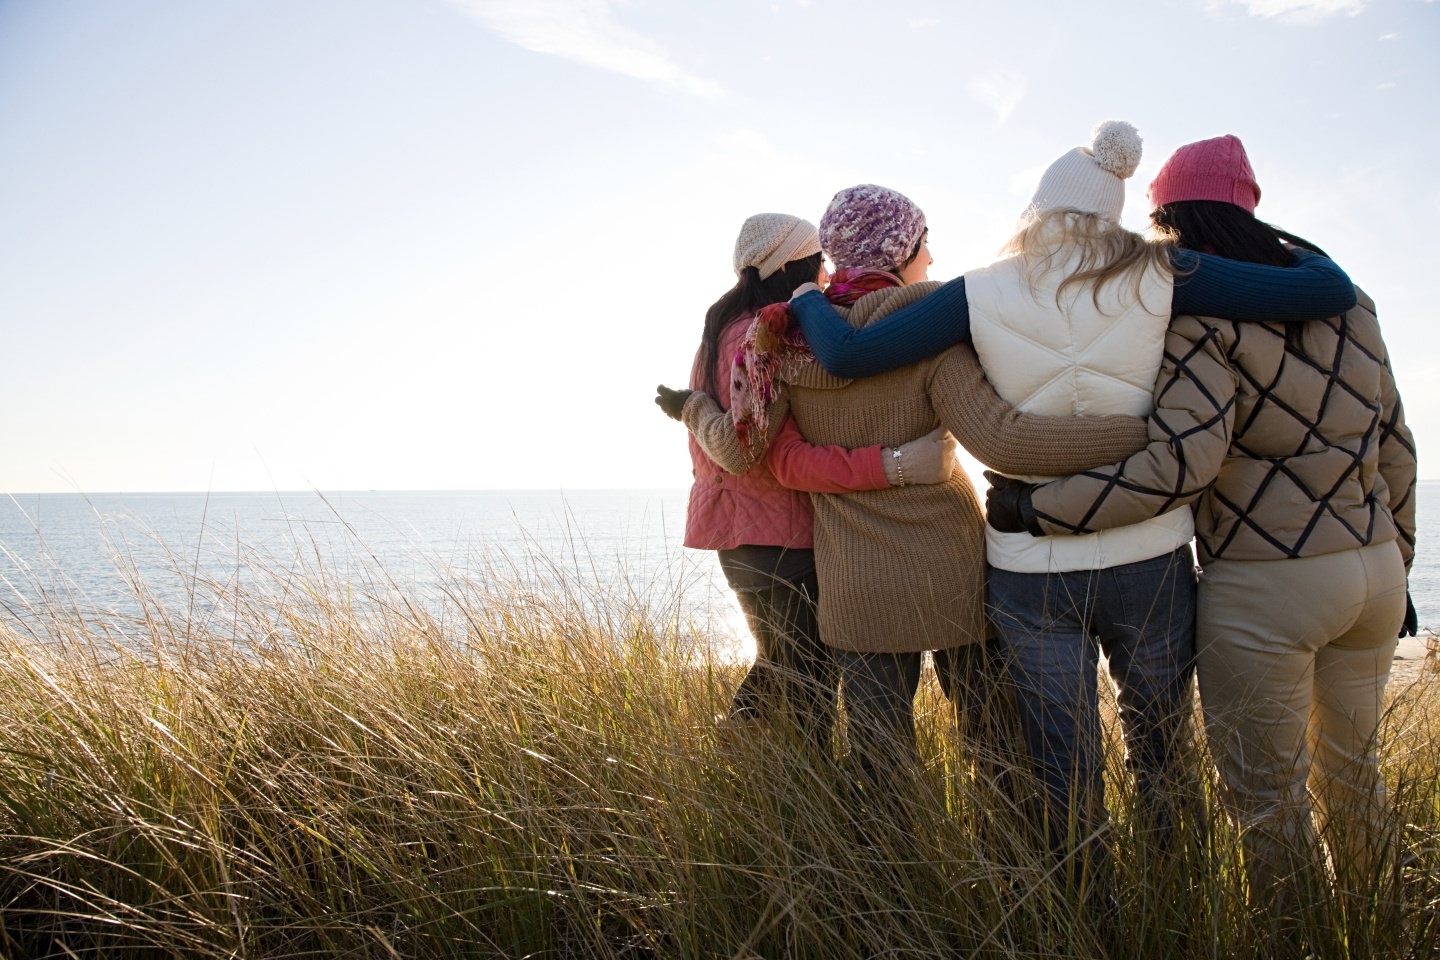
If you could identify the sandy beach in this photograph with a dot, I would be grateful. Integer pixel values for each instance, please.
(1411, 664)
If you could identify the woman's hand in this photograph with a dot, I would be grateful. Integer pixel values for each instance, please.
(1410, 626)
(930, 459)
(671, 401)
(1007, 505)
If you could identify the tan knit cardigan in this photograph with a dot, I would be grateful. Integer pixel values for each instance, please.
(903, 569)
(1283, 453)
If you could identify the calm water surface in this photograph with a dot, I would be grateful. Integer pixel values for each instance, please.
(84, 550)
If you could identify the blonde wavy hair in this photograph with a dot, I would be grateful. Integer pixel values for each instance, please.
(1108, 252)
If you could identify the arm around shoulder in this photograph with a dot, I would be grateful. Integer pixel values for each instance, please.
(1015, 442)
(1190, 431)
(1314, 288)
(909, 335)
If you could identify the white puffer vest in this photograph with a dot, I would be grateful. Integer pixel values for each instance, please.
(1074, 359)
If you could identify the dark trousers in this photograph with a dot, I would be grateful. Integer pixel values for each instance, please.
(880, 706)
(794, 676)
(880, 711)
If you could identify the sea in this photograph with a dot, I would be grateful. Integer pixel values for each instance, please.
(110, 555)
(117, 558)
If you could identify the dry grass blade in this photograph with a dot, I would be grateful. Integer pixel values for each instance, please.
(318, 765)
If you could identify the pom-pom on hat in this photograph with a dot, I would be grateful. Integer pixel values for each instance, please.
(1092, 179)
(768, 241)
(1214, 169)
(870, 228)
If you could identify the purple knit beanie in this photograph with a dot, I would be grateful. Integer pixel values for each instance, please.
(1215, 169)
(870, 228)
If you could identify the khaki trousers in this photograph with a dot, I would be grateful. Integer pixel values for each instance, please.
(1293, 658)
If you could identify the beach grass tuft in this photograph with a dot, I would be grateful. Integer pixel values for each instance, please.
(321, 765)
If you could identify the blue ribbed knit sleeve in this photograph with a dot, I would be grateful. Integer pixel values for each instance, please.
(1209, 286)
(1313, 289)
(907, 336)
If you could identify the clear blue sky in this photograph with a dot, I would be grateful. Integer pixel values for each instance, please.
(453, 244)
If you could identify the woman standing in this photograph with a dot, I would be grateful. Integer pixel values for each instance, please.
(1290, 441)
(761, 521)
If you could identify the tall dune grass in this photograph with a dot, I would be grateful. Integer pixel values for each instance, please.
(315, 766)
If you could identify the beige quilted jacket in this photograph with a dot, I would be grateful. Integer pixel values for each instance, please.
(1282, 452)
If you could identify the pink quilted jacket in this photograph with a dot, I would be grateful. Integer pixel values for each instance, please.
(727, 511)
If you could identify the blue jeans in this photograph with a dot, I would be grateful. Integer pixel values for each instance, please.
(1052, 627)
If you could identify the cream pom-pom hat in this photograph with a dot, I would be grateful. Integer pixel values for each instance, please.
(1092, 179)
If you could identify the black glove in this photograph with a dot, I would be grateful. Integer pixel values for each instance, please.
(1410, 626)
(671, 401)
(1007, 505)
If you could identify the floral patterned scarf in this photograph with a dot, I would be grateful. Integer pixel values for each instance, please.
(774, 351)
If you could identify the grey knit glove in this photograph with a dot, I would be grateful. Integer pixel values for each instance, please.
(671, 401)
(930, 459)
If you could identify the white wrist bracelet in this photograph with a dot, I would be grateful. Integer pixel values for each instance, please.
(899, 470)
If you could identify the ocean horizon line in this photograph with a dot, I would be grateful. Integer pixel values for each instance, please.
(407, 491)
(338, 492)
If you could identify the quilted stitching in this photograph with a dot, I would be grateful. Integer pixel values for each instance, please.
(1084, 360)
(1305, 459)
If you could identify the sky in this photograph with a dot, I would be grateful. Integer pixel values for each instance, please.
(455, 244)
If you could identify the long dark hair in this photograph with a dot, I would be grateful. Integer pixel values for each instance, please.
(748, 295)
(1213, 226)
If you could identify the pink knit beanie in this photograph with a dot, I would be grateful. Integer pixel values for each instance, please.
(1215, 169)
(870, 228)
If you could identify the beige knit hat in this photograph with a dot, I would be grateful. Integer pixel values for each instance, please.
(1092, 179)
(768, 241)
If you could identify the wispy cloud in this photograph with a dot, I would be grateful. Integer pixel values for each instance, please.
(1000, 89)
(1390, 36)
(586, 32)
(747, 142)
(1302, 11)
